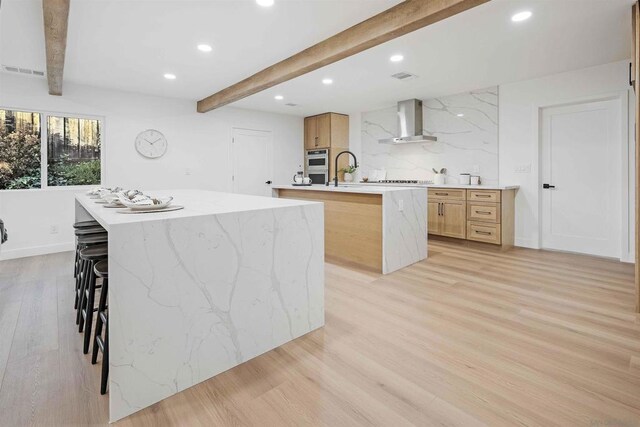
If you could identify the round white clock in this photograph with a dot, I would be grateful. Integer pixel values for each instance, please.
(151, 144)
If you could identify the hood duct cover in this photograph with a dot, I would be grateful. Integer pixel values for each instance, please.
(409, 124)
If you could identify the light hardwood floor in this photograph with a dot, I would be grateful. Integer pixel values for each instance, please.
(469, 337)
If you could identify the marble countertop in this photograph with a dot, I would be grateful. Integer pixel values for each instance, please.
(347, 188)
(405, 186)
(475, 187)
(195, 202)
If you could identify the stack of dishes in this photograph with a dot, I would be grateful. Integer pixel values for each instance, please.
(131, 201)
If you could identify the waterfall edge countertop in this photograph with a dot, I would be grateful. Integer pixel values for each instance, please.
(197, 291)
(376, 227)
(195, 202)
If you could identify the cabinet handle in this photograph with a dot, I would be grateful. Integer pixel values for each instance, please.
(442, 194)
(483, 195)
(486, 233)
(483, 212)
(443, 209)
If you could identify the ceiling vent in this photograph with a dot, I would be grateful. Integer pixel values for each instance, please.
(404, 76)
(291, 104)
(20, 70)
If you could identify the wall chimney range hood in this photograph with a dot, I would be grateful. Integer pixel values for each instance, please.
(409, 124)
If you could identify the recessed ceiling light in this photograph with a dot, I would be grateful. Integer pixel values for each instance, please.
(204, 48)
(521, 16)
(170, 76)
(460, 115)
(265, 3)
(327, 81)
(396, 58)
(279, 97)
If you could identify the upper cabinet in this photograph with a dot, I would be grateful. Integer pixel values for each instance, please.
(326, 131)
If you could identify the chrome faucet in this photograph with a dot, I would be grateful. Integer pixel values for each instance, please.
(355, 163)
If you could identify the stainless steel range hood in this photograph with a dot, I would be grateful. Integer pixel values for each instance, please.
(409, 124)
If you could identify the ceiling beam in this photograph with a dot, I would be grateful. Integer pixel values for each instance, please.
(56, 19)
(408, 16)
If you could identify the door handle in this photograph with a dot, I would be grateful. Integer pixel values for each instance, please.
(548, 186)
(268, 182)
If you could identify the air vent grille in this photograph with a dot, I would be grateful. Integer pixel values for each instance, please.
(404, 76)
(21, 70)
(291, 104)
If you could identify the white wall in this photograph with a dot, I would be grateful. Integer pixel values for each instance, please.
(197, 157)
(519, 147)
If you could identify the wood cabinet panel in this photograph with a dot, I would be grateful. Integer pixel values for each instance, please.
(339, 131)
(433, 217)
(484, 196)
(447, 194)
(453, 216)
(484, 212)
(323, 132)
(310, 132)
(353, 225)
(484, 232)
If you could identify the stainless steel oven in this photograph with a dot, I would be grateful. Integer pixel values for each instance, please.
(316, 165)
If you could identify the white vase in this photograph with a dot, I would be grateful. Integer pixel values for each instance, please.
(348, 177)
(439, 179)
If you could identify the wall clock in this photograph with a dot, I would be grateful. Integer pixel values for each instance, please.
(151, 144)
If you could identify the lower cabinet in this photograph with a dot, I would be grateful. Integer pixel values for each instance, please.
(479, 215)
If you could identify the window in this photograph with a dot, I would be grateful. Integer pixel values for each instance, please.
(73, 151)
(40, 150)
(20, 150)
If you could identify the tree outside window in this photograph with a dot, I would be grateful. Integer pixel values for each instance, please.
(73, 151)
(20, 134)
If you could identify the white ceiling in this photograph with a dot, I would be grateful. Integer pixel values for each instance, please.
(129, 45)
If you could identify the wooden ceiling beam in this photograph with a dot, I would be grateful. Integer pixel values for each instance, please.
(56, 19)
(397, 21)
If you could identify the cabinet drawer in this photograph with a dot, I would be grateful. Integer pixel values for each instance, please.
(484, 212)
(483, 232)
(447, 194)
(484, 196)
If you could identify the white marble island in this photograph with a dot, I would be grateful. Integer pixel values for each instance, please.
(197, 291)
(376, 227)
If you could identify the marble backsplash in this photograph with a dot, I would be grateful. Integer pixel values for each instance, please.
(467, 143)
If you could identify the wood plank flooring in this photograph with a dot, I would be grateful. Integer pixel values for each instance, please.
(469, 337)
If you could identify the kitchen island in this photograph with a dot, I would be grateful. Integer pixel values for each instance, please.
(195, 292)
(380, 228)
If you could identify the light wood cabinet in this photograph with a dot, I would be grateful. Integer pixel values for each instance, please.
(447, 213)
(328, 130)
(453, 214)
(472, 214)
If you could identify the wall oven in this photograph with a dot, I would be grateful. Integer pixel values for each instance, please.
(316, 165)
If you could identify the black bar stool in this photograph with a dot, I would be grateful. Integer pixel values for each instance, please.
(90, 255)
(84, 242)
(84, 228)
(101, 270)
(84, 224)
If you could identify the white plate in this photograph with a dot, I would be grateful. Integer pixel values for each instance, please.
(137, 207)
(140, 211)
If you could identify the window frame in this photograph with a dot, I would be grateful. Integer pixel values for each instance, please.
(44, 155)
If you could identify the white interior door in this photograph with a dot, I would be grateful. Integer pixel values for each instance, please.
(581, 152)
(252, 162)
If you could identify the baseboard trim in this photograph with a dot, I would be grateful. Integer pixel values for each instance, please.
(35, 251)
(525, 243)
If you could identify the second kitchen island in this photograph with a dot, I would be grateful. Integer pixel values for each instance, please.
(380, 228)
